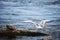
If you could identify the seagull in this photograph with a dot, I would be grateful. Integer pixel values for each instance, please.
(39, 25)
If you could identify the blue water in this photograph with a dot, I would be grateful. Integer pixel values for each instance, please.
(14, 12)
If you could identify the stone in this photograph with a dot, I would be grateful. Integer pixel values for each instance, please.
(46, 38)
(11, 28)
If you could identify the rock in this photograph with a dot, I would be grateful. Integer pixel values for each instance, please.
(11, 28)
(2, 29)
(11, 31)
(46, 38)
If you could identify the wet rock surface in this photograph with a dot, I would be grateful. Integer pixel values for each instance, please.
(12, 31)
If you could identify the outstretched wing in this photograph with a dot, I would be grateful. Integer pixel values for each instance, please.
(48, 21)
(30, 21)
(43, 22)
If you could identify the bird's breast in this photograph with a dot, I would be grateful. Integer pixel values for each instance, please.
(39, 27)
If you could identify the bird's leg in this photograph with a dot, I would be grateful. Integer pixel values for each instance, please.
(44, 30)
(37, 30)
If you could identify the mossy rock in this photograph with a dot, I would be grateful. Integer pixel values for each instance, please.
(12, 31)
(9, 27)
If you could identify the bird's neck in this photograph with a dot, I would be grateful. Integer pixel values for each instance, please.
(43, 22)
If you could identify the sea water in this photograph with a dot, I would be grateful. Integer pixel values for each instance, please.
(15, 12)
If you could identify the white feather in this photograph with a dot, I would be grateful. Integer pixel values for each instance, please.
(40, 25)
